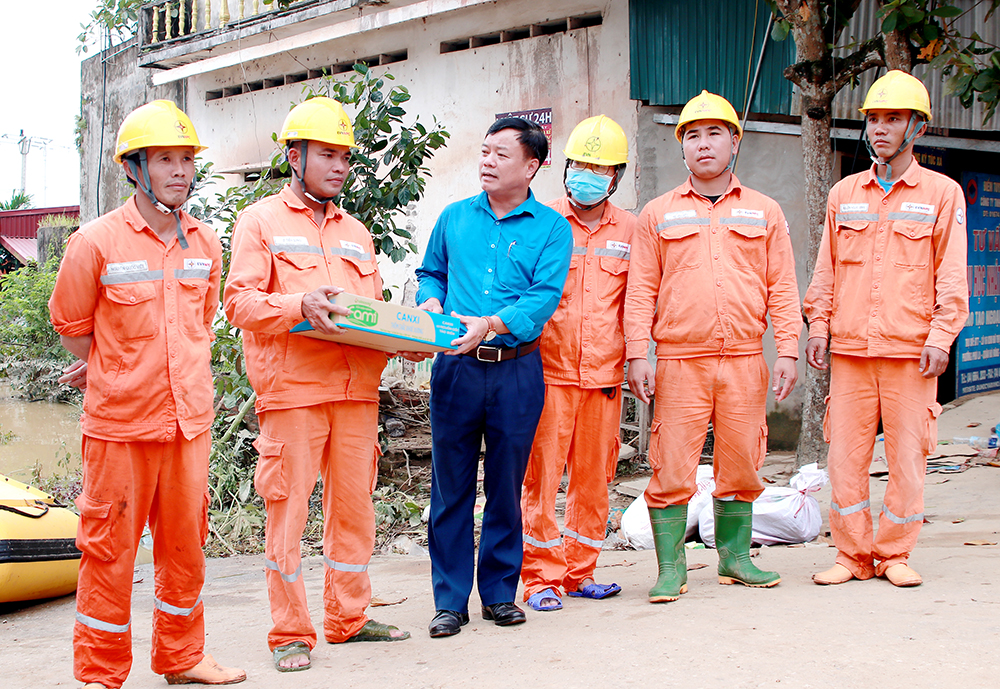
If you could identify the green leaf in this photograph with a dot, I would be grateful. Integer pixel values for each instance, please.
(889, 23)
(360, 68)
(946, 11)
(779, 31)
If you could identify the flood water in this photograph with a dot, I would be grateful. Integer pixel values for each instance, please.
(43, 433)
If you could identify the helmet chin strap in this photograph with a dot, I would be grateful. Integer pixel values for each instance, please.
(303, 151)
(911, 134)
(140, 173)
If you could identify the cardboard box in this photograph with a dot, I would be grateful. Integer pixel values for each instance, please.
(389, 327)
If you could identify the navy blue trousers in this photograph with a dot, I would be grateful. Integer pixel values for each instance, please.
(472, 400)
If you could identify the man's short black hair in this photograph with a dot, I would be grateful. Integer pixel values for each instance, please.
(530, 135)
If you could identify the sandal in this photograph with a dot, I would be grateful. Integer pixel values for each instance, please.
(296, 648)
(596, 591)
(376, 631)
(537, 600)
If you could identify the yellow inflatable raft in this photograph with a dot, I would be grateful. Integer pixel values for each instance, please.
(38, 555)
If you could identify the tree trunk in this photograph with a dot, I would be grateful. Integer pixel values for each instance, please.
(818, 157)
(897, 52)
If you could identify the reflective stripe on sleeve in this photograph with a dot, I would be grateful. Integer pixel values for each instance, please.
(173, 609)
(583, 539)
(844, 511)
(343, 566)
(101, 625)
(124, 278)
(286, 577)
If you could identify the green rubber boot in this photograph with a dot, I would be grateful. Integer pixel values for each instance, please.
(669, 525)
(733, 525)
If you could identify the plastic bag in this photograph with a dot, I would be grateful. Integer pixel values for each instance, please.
(635, 521)
(781, 515)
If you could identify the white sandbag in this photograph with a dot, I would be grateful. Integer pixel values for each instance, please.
(635, 521)
(781, 515)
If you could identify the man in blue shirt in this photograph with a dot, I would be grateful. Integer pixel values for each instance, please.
(498, 261)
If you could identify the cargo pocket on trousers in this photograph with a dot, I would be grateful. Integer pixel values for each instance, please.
(95, 534)
(931, 433)
(268, 478)
(826, 421)
(612, 467)
(654, 446)
(204, 518)
(761, 448)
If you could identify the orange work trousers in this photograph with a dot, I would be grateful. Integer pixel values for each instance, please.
(123, 485)
(863, 390)
(338, 442)
(729, 391)
(578, 432)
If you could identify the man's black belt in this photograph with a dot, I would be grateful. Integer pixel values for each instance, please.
(494, 354)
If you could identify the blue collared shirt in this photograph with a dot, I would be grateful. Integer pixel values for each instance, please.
(514, 267)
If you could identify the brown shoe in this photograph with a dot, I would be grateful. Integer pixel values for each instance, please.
(207, 672)
(901, 575)
(838, 574)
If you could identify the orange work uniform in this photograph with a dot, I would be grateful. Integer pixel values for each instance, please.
(147, 411)
(890, 279)
(318, 406)
(711, 273)
(583, 359)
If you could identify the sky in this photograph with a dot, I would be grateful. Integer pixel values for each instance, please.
(42, 97)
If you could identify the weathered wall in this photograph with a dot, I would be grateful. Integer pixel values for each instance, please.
(111, 87)
(578, 73)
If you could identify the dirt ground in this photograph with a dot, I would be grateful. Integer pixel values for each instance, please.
(941, 634)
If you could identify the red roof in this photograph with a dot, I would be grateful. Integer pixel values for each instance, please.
(19, 228)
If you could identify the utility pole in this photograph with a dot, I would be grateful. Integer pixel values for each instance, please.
(24, 143)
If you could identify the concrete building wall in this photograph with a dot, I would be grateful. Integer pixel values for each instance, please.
(576, 73)
(111, 86)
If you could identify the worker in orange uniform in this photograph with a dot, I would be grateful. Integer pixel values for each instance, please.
(135, 297)
(889, 293)
(317, 400)
(711, 260)
(583, 358)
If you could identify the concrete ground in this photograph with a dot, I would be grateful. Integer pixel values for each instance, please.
(941, 634)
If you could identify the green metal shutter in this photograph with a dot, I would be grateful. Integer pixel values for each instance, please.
(679, 48)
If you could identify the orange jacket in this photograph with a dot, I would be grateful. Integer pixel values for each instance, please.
(150, 309)
(890, 274)
(583, 343)
(711, 274)
(279, 255)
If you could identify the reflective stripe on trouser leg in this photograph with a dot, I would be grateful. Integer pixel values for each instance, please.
(729, 391)
(349, 473)
(544, 561)
(178, 520)
(285, 479)
(909, 410)
(592, 463)
(850, 426)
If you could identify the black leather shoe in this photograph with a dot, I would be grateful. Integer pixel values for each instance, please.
(447, 623)
(503, 614)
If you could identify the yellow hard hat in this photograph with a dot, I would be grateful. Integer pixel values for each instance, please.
(598, 140)
(318, 119)
(897, 90)
(707, 106)
(160, 123)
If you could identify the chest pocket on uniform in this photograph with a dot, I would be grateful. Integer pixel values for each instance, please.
(614, 274)
(683, 247)
(295, 270)
(853, 243)
(134, 315)
(191, 294)
(516, 266)
(359, 274)
(911, 244)
(746, 246)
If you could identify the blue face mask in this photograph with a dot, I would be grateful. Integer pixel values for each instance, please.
(587, 187)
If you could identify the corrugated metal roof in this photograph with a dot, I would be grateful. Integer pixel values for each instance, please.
(948, 111)
(23, 223)
(679, 48)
